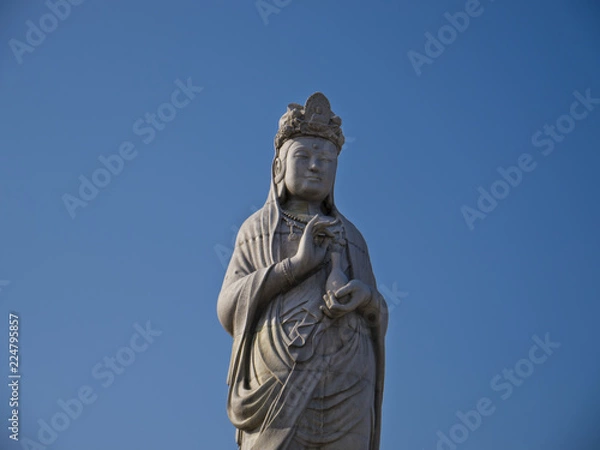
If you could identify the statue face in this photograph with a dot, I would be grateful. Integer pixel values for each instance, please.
(311, 163)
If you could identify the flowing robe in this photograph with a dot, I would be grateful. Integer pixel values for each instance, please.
(298, 379)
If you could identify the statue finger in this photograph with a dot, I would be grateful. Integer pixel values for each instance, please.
(327, 312)
(320, 225)
(348, 288)
(311, 223)
(339, 309)
(323, 223)
(322, 240)
(331, 223)
(329, 299)
(322, 233)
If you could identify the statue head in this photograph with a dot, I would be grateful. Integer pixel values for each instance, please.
(307, 144)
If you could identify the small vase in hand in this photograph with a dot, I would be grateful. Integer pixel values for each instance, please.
(336, 279)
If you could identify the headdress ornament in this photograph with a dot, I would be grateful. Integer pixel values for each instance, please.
(313, 119)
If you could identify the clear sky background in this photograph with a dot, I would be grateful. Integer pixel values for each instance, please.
(151, 245)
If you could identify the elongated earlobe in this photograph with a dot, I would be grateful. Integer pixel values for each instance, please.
(278, 171)
(278, 179)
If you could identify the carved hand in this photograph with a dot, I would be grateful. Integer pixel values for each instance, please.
(313, 245)
(353, 295)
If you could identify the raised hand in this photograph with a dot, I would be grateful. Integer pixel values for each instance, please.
(313, 245)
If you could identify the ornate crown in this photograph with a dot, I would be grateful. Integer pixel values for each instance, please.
(313, 119)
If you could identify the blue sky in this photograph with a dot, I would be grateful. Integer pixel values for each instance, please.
(470, 290)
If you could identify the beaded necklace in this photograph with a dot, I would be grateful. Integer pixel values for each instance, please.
(294, 222)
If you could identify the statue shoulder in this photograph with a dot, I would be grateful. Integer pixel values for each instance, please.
(253, 219)
(253, 226)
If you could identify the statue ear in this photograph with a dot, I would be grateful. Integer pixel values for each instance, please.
(278, 170)
(278, 175)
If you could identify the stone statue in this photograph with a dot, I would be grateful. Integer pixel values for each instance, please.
(300, 300)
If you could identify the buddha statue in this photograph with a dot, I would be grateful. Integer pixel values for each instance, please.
(301, 302)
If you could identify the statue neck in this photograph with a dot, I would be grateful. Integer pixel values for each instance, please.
(303, 207)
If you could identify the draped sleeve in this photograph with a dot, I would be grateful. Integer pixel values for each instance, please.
(246, 274)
